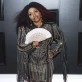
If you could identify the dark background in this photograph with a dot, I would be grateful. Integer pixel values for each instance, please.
(80, 14)
(1, 10)
(69, 22)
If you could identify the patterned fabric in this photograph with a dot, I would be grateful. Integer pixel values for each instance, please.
(34, 64)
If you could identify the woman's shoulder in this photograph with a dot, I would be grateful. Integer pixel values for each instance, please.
(50, 23)
(23, 28)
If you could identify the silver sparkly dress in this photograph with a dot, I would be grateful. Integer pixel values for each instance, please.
(34, 64)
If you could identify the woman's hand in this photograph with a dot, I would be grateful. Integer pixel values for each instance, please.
(50, 54)
(35, 44)
(25, 81)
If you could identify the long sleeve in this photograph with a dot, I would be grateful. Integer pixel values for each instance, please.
(59, 45)
(21, 40)
(58, 40)
(22, 57)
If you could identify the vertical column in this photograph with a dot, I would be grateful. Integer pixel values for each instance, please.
(2, 48)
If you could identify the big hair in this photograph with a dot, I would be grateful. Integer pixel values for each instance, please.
(23, 19)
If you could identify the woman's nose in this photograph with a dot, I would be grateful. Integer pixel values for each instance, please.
(34, 14)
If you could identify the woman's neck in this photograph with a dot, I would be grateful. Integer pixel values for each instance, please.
(38, 24)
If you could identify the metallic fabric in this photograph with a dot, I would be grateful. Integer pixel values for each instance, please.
(34, 64)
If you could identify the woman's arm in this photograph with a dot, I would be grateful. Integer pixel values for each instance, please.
(21, 40)
(58, 40)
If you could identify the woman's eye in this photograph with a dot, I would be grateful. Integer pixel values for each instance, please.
(29, 14)
(36, 11)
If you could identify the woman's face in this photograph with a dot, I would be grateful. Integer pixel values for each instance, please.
(34, 15)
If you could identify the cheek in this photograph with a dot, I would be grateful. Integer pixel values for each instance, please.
(39, 14)
(31, 17)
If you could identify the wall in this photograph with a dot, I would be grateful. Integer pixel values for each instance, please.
(71, 25)
(68, 21)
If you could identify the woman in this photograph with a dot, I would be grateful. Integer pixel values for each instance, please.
(35, 60)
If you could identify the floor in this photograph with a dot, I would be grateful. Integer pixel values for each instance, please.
(56, 78)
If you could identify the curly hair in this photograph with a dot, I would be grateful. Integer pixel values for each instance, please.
(23, 19)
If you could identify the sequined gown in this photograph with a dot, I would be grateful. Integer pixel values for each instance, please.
(34, 64)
